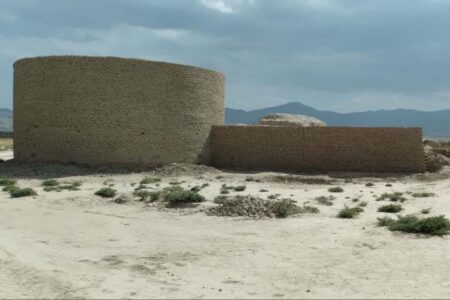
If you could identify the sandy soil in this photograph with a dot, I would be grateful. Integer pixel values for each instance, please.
(74, 244)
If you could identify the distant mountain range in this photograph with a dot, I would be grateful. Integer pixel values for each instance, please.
(435, 124)
(6, 120)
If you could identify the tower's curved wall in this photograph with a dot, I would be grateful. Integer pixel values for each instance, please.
(102, 110)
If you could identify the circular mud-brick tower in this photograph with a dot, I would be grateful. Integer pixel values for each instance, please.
(106, 110)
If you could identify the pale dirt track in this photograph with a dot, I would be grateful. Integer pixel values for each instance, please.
(77, 245)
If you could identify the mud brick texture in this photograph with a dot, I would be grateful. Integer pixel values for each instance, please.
(103, 110)
(325, 149)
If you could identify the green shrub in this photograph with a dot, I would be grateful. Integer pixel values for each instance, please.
(310, 209)
(394, 197)
(74, 186)
(147, 196)
(175, 198)
(349, 213)
(389, 185)
(336, 189)
(50, 182)
(9, 188)
(370, 184)
(423, 195)
(390, 208)
(7, 182)
(263, 191)
(284, 208)
(106, 192)
(240, 188)
(425, 211)
(18, 192)
(324, 200)
(438, 225)
(224, 191)
(273, 196)
(249, 179)
(149, 180)
(384, 221)
(362, 204)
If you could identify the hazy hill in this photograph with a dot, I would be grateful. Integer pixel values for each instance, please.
(435, 124)
(6, 122)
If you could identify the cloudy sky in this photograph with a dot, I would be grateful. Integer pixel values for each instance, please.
(343, 55)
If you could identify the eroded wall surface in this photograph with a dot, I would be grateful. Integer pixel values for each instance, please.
(102, 110)
(318, 149)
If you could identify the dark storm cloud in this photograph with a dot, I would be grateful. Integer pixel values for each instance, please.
(342, 55)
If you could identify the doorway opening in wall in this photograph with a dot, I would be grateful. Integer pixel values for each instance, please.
(6, 145)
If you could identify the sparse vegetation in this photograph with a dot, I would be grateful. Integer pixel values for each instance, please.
(423, 195)
(149, 180)
(73, 186)
(178, 197)
(18, 192)
(147, 196)
(106, 192)
(273, 196)
(362, 204)
(349, 212)
(7, 181)
(389, 185)
(325, 200)
(9, 188)
(224, 191)
(370, 184)
(238, 188)
(390, 208)
(394, 197)
(50, 182)
(425, 211)
(263, 191)
(336, 189)
(438, 225)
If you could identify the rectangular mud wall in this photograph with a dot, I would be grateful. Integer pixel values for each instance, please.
(318, 149)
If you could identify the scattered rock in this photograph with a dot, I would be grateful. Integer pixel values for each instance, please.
(291, 120)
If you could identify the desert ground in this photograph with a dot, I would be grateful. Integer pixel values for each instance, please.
(74, 244)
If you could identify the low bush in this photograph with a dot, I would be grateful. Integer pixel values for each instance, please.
(74, 186)
(336, 189)
(324, 200)
(7, 181)
(438, 225)
(240, 188)
(147, 196)
(50, 182)
(349, 212)
(18, 192)
(273, 196)
(370, 184)
(394, 197)
(175, 198)
(106, 192)
(425, 211)
(220, 199)
(9, 188)
(390, 208)
(149, 180)
(423, 195)
(362, 204)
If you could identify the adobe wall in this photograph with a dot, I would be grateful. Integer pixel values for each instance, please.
(318, 149)
(101, 110)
